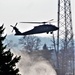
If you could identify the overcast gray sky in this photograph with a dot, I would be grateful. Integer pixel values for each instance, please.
(12, 11)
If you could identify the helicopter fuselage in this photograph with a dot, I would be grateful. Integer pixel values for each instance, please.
(40, 29)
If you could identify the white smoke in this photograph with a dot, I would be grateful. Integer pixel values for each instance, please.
(31, 65)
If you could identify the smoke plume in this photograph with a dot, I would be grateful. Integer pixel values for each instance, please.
(32, 65)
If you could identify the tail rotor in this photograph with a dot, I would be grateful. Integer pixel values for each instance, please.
(13, 26)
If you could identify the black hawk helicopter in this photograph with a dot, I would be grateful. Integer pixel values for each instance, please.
(37, 29)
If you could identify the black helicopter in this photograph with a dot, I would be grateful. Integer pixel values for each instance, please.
(37, 29)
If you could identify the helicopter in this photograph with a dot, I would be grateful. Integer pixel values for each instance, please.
(42, 28)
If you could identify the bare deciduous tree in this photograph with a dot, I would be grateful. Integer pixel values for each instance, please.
(30, 43)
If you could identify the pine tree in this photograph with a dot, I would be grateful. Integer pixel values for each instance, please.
(7, 59)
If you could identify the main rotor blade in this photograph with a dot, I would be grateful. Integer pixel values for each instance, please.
(34, 22)
(50, 20)
(39, 22)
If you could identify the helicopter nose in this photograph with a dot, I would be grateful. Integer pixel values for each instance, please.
(57, 28)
